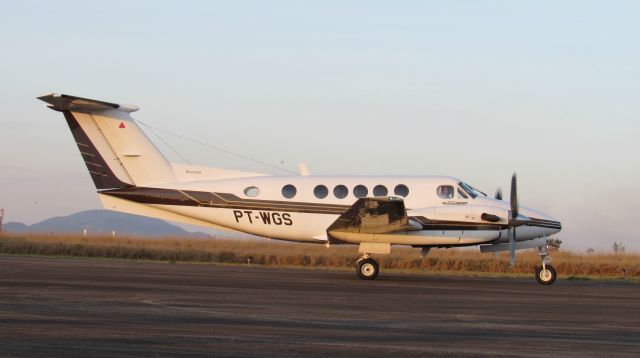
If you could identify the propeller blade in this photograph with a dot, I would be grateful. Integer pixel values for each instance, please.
(515, 208)
(514, 197)
(499, 194)
(512, 246)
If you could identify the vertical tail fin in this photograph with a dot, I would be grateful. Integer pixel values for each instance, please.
(116, 151)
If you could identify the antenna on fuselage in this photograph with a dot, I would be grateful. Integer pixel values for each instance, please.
(207, 145)
(304, 170)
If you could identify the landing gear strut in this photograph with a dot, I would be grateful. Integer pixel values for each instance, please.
(367, 268)
(545, 274)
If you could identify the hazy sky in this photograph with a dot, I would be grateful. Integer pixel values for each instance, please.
(472, 89)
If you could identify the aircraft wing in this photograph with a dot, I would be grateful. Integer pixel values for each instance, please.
(370, 216)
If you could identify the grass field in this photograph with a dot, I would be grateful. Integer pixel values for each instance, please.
(278, 253)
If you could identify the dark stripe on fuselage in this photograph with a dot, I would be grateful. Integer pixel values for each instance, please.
(546, 223)
(176, 197)
(218, 200)
(430, 224)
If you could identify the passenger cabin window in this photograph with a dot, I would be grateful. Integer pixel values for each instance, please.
(360, 191)
(340, 191)
(445, 191)
(252, 191)
(320, 191)
(289, 191)
(401, 190)
(380, 190)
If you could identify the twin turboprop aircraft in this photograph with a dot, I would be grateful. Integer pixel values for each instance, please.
(374, 212)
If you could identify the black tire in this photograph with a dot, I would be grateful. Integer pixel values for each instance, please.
(367, 269)
(546, 278)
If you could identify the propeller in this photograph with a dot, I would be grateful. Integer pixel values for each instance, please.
(513, 220)
(498, 194)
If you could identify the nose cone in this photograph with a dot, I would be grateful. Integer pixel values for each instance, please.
(543, 224)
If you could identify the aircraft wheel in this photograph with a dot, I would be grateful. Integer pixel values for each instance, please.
(545, 276)
(367, 269)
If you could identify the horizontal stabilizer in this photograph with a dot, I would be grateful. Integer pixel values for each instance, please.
(63, 102)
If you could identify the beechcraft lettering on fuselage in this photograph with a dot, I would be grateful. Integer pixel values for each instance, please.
(454, 203)
(374, 212)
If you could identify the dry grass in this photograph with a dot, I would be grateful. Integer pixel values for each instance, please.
(277, 253)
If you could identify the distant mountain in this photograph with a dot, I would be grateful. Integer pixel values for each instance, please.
(103, 222)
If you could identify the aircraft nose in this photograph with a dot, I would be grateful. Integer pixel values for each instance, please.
(545, 224)
(549, 227)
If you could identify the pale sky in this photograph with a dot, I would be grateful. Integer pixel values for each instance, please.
(471, 89)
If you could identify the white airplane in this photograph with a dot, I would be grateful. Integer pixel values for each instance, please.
(374, 212)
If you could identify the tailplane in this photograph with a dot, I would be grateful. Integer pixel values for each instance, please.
(116, 151)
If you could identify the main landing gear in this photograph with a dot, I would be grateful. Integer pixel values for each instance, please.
(367, 268)
(545, 274)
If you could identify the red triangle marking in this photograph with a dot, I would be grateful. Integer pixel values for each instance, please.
(121, 125)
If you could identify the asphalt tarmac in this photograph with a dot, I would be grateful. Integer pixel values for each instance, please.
(106, 308)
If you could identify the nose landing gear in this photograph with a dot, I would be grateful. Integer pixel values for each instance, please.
(367, 268)
(545, 274)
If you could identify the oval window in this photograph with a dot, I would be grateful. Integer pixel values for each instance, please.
(380, 190)
(401, 190)
(289, 191)
(360, 191)
(252, 191)
(445, 191)
(320, 191)
(340, 191)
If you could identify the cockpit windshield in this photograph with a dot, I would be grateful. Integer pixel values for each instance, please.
(471, 190)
